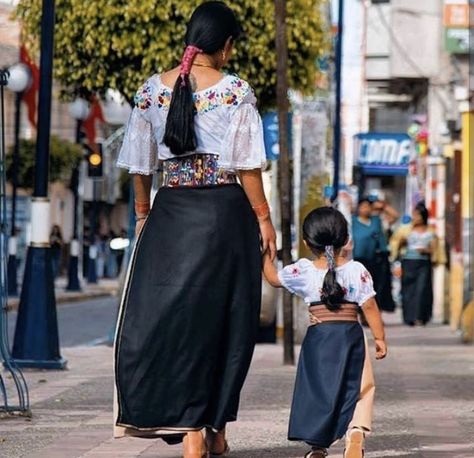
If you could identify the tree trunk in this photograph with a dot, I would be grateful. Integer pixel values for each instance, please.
(284, 178)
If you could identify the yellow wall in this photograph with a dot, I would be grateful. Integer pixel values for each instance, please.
(467, 201)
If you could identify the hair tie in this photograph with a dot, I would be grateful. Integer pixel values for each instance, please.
(187, 61)
(329, 251)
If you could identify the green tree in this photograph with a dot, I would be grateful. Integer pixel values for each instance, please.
(63, 156)
(117, 44)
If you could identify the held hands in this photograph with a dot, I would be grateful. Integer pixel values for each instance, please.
(268, 237)
(380, 349)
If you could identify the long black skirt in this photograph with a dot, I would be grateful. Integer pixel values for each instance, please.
(417, 290)
(190, 311)
(328, 383)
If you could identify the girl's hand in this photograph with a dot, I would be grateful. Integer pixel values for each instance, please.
(139, 226)
(268, 237)
(380, 349)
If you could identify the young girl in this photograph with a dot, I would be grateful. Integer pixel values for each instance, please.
(334, 386)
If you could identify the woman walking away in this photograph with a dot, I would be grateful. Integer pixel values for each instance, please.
(190, 310)
(370, 249)
(334, 389)
(420, 246)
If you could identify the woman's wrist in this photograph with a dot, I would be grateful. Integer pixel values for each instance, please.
(142, 208)
(262, 211)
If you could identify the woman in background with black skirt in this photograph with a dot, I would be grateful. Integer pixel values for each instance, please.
(190, 310)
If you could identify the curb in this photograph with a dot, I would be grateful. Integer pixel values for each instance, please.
(66, 298)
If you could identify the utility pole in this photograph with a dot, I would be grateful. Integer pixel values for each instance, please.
(337, 117)
(36, 342)
(284, 178)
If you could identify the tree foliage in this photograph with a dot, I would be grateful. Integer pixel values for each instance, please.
(117, 44)
(63, 157)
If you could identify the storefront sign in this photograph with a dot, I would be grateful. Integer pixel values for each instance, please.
(456, 41)
(383, 154)
(456, 15)
(271, 137)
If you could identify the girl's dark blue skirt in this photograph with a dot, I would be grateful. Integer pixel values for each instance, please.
(328, 382)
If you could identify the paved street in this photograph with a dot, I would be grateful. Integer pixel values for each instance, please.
(425, 406)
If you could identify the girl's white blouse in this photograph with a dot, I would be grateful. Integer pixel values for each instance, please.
(227, 124)
(304, 279)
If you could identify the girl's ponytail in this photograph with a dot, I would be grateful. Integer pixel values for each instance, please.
(180, 136)
(332, 293)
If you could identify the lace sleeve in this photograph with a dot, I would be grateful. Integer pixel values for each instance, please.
(243, 147)
(139, 152)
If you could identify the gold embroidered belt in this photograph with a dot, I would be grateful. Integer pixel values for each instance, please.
(194, 171)
(319, 313)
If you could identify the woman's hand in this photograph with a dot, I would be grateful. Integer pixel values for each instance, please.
(268, 237)
(139, 226)
(380, 349)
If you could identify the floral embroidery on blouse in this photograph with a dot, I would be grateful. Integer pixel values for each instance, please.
(143, 97)
(204, 101)
(365, 277)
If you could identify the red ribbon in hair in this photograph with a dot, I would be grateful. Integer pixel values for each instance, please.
(187, 61)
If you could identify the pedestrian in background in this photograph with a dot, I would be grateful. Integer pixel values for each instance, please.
(334, 389)
(190, 312)
(370, 248)
(416, 246)
(387, 214)
(56, 243)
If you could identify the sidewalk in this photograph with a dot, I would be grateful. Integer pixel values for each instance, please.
(104, 287)
(425, 406)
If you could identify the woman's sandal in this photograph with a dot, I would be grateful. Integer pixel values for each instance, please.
(210, 439)
(354, 444)
(202, 453)
(317, 453)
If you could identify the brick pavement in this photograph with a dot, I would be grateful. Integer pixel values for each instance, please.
(425, 406)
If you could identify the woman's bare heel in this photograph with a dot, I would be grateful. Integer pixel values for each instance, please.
(194, 445)
(216, 443)
(354, 443)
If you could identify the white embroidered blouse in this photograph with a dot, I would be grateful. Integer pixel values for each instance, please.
(304, 279)
(227, 124)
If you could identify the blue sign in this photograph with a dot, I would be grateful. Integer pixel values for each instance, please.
(270, 133)
(383, 154)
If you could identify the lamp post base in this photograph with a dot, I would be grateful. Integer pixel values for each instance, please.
(73, 283)
(36, 342)
(58, 364)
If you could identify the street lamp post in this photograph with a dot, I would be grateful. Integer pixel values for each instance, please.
(18, 82)
(338, 101)
(79, 110)
(36, 342)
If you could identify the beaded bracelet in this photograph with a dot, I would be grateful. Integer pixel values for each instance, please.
(142, 207)
(262, 211)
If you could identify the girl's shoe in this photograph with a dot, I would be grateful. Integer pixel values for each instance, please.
(194, 446)
(212, 441)
(317, 452)
(354, 444)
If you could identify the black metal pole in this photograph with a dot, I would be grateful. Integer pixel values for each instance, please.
(73, 283)
(36, 342)
(12, 262)
(44, 100)
(94, 210)
(284, 172)
(16, 161)
(337, 117)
